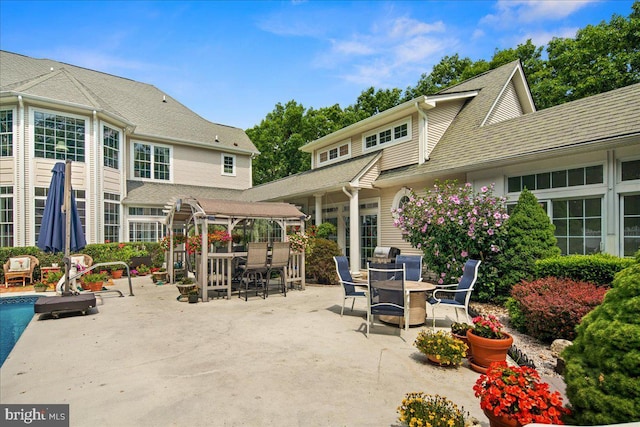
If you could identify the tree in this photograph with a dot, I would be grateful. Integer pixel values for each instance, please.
(530, 236)
(600, 58)
(279, 137)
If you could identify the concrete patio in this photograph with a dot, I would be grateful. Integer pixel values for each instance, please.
(150, 360)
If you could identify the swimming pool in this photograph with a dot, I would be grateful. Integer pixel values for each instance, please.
(15, 315)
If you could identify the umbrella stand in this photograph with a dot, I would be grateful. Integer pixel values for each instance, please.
(66, 208)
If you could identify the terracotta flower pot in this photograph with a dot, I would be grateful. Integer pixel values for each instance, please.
(116, 274)
(487, 350)
(95, 287)
(501, 421)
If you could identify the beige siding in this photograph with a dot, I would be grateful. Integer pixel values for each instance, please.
(111, 181)
(439, 120)
(7, 171)
(42, 173)
(356, 145)
(507, 107)
(370, 176)
(195, 166)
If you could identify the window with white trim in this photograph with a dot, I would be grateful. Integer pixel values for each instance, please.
(146, 228)
(111, 147)
(399, 200)
(578, 225)
(384, 136)
(6, 216)
(6, 133)
(151, 161)
(630, 224)
(557, 179)
(228, 164)
(111, 217)
(58, 137)
(630, 170)
(334, 154)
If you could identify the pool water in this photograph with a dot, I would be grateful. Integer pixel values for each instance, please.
(15, 315)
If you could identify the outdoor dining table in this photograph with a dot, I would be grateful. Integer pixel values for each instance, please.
(417, 301)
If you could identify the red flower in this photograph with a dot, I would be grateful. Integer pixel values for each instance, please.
(516, 392)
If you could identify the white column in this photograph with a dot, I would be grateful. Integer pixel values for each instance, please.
(354, 231)
(318, 208)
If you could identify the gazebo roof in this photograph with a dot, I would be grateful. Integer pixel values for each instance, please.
(183, 209)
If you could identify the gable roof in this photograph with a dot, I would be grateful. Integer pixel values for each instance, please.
(137, 105)
(611, 116)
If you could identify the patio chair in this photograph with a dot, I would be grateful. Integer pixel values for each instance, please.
(19, 269)
(347, 282)
(256, 266)
(387, 296)
(412, 265)
(461, 294)
(279, 262)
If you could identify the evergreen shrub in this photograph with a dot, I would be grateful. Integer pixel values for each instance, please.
(530, 236)
(319, 262)
(599, 268)
(603, 364)
(550, 308)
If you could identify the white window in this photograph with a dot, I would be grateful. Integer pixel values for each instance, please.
(40, 201)
(151, 161)
(111, 217)
(630, 224)
(6, 133)
(111, 147)
(57, 136)
(387, 135)
(578, 225)
(228, 164)
(399, 200)
(335, 153)
(6, 216)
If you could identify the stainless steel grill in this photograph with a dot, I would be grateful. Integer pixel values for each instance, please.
(384, 254)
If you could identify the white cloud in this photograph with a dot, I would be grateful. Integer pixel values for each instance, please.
(352, 47)
(512, 12)
(407, 27)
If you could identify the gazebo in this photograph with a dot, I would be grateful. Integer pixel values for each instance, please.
(249, 221)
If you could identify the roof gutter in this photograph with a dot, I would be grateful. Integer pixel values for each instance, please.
(195, 143)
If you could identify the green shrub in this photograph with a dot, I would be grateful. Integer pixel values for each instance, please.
(599, 269)
(319, 262)
(551, 308)
(326, 230)
(529, 237)
(603, 364)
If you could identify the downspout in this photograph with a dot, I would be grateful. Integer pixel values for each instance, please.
(21, 181)
(424, 148)
(354, 231)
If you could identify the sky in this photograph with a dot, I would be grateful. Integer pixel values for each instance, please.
(233, 61)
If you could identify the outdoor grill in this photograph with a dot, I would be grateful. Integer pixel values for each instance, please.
(384, 254)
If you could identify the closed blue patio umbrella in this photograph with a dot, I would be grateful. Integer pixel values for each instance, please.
(59, 232)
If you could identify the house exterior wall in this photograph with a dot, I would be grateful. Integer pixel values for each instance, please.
(507, 107)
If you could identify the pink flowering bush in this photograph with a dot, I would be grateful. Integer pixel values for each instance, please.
(451, 224)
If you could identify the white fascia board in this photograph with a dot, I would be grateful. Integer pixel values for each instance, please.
(408, 107)
(224, 148)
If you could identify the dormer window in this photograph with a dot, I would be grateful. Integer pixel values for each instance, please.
(335, 153)
(390, 134)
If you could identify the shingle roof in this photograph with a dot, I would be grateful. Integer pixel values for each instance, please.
(132, 102)
(327, 178)
(466, 145)
(143, 193)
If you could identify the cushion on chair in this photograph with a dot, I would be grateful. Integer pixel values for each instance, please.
(19, 264)
(78, 260)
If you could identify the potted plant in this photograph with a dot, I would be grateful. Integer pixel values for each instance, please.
(419, 409)
(116, 272)
(53, 278)
(40, 287)
(514, 395)
(489, 343)
(160, 275)
(95, 281)
(143, 270)
(441, 347)
(459, 331)
(185, 286)
(193, 296)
